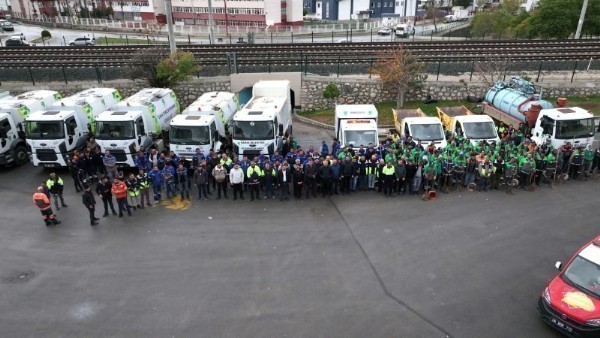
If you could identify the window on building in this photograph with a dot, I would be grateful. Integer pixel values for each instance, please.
(385, 4)
(379, 5)
(327, 10)
(372, 5)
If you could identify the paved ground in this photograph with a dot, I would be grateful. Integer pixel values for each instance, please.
(466, 265)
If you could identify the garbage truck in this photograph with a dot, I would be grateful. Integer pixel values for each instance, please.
(259, 127)
(13, 112)
(142, 119)
(204, 124)
(55, 133)
(475, 128)
(356, 125)
(414, 123)
(519, 103)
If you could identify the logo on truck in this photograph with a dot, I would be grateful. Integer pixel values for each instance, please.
(153, 113)
(87, 109)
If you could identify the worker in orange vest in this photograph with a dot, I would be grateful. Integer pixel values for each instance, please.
(41, 200)
(119, 189)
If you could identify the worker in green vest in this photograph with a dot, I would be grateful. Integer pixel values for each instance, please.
(388, 174)
(55, 186)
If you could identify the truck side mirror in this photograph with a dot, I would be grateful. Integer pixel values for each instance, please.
(558, 266)
(281, 130)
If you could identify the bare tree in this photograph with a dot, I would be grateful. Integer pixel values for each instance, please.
(491, 69)
(400, 69)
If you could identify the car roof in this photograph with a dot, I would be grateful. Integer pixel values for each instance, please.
(592, 251)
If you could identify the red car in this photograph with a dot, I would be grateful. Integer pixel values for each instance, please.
(571, 301)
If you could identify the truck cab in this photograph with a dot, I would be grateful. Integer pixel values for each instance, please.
(259, 127)
(204, 125)
(139, 120)
(562, 125)
(424, 129)
(461, 121)
(404, 30)
(53, 134)
(356, 125)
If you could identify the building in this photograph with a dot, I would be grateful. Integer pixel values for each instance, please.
(360, 9)
(239, 12)
(529, 5)
(246, 13)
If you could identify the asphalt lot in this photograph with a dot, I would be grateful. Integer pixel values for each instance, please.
(466, 265)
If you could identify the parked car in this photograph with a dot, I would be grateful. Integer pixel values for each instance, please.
(85, 41)
(384, 31)
(571, 301)
(19, 42)
(7, 27)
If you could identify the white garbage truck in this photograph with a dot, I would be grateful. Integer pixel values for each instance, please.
(356, 125)
(260, 126)
(140, 120)
(414, 123)
(13, 112)
(55, 133)
(203, 125)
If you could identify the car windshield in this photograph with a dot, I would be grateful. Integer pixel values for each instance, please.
(569, 129)
(585, 275)
(44, 130)
(253, 130)
(358, 137)
(480, 130)
(427, 132)
(106, 130)
(189, 135)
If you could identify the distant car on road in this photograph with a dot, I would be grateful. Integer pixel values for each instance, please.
(85, 41)
(384, 31)
(7, 27)
(17, 42)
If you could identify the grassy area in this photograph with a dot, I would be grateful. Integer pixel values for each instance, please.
(39, 40)
(385, 111)
(591, 103)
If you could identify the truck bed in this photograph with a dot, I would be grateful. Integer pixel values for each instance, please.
(454, 111)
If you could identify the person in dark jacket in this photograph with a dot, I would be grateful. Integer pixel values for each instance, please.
(347, 170)
(336, 171)
(90, 203)
(411, 171)
(298, 179)
(201, 180)
(55, 186)
(269, 180)
(400, 178)
(325, 176)
(103, 190)
(284, 177)
(310, 178)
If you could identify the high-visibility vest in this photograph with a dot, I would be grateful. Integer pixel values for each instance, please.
(41, 201)
(251, 171)
(50, 182)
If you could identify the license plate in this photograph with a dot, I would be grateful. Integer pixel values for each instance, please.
(49, 165)
(561, 325)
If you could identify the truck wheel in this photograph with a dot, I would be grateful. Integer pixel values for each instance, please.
(20, 155)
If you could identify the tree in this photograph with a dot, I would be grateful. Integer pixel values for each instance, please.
(558, 18)
(331, 92)
(160, 69)
(431, 12)
(491, 70)
(400, 69)
(501, 21)
(46, 34)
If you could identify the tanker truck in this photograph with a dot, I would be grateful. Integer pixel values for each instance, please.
(13, 112)
(55, 133)
(519, 104)
(139, 120)
(475, 128)
(203, 125)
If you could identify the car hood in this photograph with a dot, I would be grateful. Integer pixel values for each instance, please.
(573, 303)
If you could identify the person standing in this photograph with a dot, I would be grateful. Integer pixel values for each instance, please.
(269, 178)
(43, 202)
(388, 173)
(254, 173)
(56, 186)
(133, 191)
(284, 176)
(156, 178)
(183, 181)
(144, 182)
(90, 203)
(236, 177)
(110, 164)
(310, 178)
(74, 170)
(119, 189)
(168, 174)
(219, 174)
(103, 189)
(325, 176)
(298, 179)
(201, 180)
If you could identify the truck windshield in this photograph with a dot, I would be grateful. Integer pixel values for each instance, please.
(360, 137)
(585, 275)
(106, 130)
(480, 130)
(253, 130)
(44, 130)
(566, 129)
(189, 135)
(427, 132)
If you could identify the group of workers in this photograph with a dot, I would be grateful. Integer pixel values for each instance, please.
(397, 166)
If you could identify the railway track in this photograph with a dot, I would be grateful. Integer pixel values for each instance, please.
(298, 54)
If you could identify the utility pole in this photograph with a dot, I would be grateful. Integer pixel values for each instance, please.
(581, 17)
(211, 32)
(171, 34)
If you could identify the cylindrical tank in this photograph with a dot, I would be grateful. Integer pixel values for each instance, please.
(514, 102)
